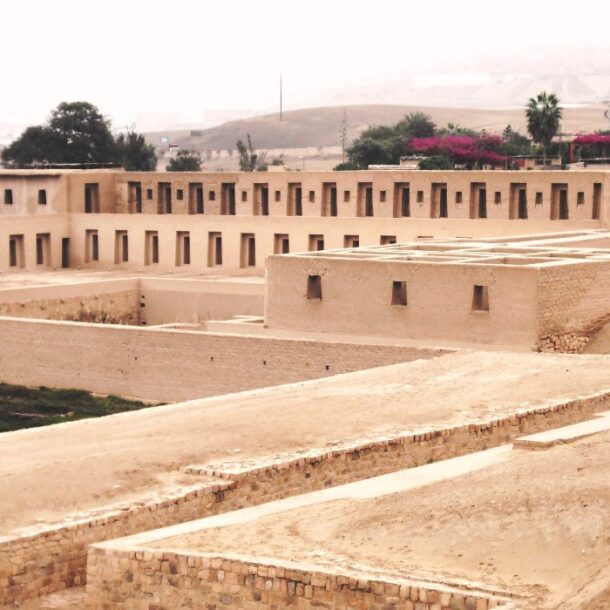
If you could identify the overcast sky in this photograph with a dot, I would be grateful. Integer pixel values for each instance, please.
(149, 62)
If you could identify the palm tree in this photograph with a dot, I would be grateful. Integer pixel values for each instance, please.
(543, 116)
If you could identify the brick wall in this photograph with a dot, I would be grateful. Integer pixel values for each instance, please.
(170, 365)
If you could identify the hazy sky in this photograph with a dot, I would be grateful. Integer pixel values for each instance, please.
(151, 62)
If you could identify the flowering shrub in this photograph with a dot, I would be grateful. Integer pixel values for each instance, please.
(592, 138)
(461, 148)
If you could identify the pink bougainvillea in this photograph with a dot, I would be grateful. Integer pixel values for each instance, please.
(592, 138)
(461, 148)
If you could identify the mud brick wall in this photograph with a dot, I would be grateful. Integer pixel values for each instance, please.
(171, 365)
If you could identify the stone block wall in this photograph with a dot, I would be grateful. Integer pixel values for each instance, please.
(37, 562)
(122, 579)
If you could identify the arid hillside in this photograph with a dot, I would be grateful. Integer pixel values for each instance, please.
(322, 126)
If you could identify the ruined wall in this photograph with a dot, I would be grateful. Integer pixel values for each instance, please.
(51, 558)
(573, 301)
(109, 301)
(171, 365)
(169, 579)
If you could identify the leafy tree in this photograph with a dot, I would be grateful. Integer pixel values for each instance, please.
(36, 146)
(83, 134)
(436, 162)
(249, 159)
(186, 160)
(134, 154)
(75, 132)
(346, 166)
(543, 116)
(514, 143)
(385, 144)
(455, 129)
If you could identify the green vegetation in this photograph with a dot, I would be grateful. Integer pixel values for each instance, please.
(22, 407)
(77, 133)
(249, 160)
(543, 117)
(186, 160)
(443, 147)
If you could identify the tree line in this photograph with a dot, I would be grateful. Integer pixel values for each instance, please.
(77, 133)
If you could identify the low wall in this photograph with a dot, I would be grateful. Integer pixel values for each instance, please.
(109, 301)
(40, 561)
(157, 580)
(173, 365)
(165, 301)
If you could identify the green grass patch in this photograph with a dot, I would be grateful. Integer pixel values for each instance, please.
(22, 407)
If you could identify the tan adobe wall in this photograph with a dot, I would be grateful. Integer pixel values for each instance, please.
(573, 301)
(54, 557)
(165, 301)
(56, 225)
(171, 365)
(462, 197)
(439, 299)
(264, 229)
(168, 579)
(111, 302)
(25, 187)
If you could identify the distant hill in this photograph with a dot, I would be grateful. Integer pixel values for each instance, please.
(321, 126)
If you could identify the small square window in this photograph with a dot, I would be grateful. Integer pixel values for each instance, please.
(278, 195)
(314, 287)
(399, 293)
(480, 298)
(538, 198)
(8, 196)
(459, 197)
(497, 197)
(179, 194)
(346, 196)
(580, 198)
(312, 196)
(42, 197)
(212, 195)
(244, 195)
(386, 240)
(149, 194)
(420, 196)
(382, 196)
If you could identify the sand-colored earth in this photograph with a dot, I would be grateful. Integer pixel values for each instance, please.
(537, 524)
(50, 472)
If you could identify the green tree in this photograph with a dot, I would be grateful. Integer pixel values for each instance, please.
(385, 144)
(249, 159)
(186, 160)
(514, 143)
(436, 162)
(36, 146)
(417, 125)
(543, 116)
(134, 154)
(76, 132)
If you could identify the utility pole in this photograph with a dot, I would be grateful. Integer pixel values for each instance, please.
(281, 100)
(343, 134)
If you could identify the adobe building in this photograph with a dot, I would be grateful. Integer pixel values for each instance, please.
(348, 361)
(230, 222)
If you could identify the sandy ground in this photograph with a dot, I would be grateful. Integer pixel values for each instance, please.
(537, 524)
(47, 473)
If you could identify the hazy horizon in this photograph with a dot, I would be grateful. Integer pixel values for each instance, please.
(160, 66)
